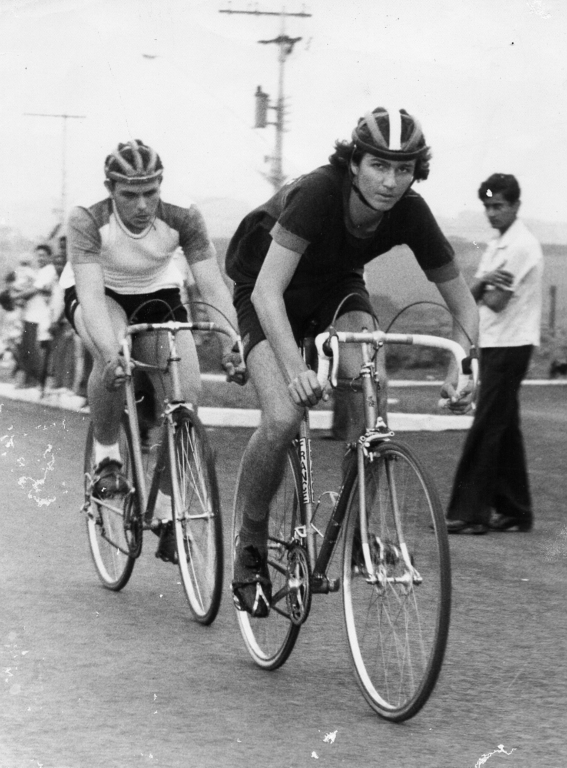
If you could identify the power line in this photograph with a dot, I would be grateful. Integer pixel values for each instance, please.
(64, 117)
(285, 44)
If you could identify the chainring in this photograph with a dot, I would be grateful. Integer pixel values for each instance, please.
(298, 597)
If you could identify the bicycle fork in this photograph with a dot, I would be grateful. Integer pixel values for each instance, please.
(379, 575)
(377, 432)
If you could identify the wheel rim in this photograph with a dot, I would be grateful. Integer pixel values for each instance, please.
(397, 632)
(271, 639)
(198, 521)
(109, 542)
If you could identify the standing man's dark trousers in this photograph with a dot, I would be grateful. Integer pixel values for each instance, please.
(492, 471)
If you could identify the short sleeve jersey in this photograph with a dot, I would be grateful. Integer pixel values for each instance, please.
(518, 324)
(308, 216)
(135, 263)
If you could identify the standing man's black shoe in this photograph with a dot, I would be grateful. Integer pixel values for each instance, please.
(466, 528)
(504, 523)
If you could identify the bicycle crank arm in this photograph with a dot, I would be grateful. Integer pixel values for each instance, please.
(321, 585)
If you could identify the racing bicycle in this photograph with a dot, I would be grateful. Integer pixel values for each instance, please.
(395, 573)
(115, 526)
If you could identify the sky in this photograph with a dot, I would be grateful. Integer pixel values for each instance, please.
(486, 78)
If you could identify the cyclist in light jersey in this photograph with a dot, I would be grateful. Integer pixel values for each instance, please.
(121, 269)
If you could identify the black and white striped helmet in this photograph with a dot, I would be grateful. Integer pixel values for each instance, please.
(392, 134)
(133, 163)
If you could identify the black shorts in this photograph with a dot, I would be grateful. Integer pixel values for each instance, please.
(157, 307)
(310, 308)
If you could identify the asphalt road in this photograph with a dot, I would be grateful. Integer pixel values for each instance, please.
(92, 679)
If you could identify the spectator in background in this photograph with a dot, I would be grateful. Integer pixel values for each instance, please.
(23, 279)
(61, 364)
(491, 488)
(36, 315)
(11, 329)
(22, 286)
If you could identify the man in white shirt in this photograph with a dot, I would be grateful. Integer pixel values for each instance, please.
(491, 487)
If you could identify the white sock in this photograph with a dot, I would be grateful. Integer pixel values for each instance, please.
(106, 452)
(162, 509)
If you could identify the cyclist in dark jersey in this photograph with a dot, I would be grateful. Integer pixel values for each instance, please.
(293, 261)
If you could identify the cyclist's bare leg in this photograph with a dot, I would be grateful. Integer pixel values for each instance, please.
(350, 362)
(154, 349)
(105, 406)
(263, 462)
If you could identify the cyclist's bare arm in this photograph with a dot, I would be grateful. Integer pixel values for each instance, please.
(462, 306)
(274, 277)
(214, 291)
(96, 323)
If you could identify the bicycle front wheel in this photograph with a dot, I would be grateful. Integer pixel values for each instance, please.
(397, 616)
(114, 529)
(198, 522)
(270, 640)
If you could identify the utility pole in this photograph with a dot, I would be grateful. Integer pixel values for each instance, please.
(64, 117)
(285, 44)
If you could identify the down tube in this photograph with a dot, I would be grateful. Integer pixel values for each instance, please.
(335, 522)
(304, 451)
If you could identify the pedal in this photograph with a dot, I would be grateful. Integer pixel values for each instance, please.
(334, 585)
(321, 585)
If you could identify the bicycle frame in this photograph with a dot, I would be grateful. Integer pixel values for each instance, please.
(328, 350)
(171, 405)
(190, 529)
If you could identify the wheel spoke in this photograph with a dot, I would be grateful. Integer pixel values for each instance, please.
(270, 640)
(397, 623)
(114, 532)
(198, 523)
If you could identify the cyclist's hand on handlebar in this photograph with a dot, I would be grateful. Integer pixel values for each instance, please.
(114, 375)
(457, 402)
(305, 389)
(234, 367)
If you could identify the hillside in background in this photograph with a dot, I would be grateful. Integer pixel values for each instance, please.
(402, 295)
(397, 276)
(473, 227)
(223, 215)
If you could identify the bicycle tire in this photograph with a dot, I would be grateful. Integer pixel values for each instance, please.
(397, 633)
(198, 523)
(115, 538)
(270, 640)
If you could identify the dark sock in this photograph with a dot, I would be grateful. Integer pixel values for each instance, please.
(254, 532)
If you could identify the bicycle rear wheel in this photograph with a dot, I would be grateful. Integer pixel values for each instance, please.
(198, 522)
(270, 640)
(397, 627)
(115, 528)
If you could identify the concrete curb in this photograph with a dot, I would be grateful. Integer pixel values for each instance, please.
(241, 417)
(220, 378)
(244, 417)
